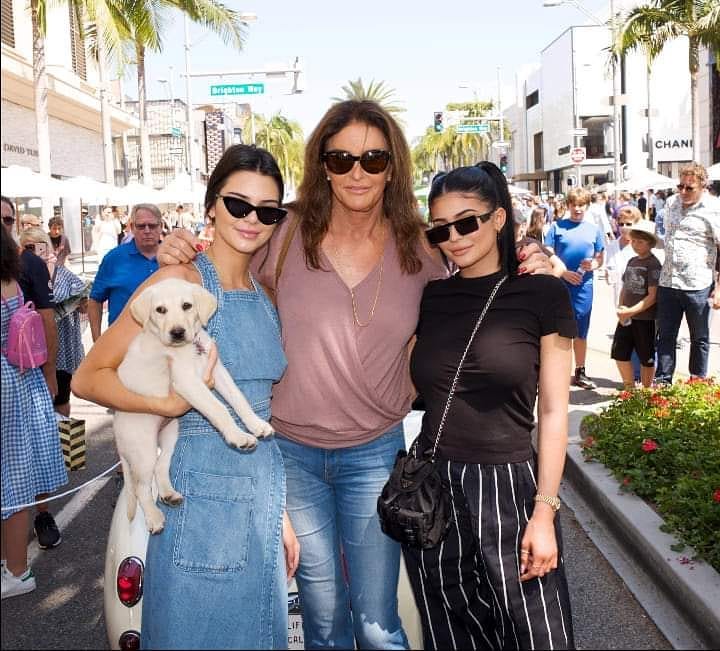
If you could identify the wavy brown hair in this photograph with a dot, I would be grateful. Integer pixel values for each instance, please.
(314, 196)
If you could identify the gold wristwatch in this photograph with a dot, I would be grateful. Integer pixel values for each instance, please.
(552, 502)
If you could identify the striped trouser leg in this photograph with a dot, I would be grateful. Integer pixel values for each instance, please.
(467, 588)
(535, 613)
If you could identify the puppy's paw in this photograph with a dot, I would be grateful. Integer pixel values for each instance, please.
(155, 521)
(172, 498)
(260, 428)
(240, 439)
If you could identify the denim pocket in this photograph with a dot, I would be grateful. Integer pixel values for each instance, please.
(212, 504)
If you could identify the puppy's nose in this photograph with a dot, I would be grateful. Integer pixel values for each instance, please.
(178, 334)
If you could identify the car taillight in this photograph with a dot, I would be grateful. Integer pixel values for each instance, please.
(130, 581)
(129, 641)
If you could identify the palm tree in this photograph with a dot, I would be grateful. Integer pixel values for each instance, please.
(147, 18)
(376, 91)
(651, 26)
(283, 138)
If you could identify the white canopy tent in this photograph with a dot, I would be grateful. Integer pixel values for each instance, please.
(19, 181)
(642, 179)
(90, 191)
(179, 191)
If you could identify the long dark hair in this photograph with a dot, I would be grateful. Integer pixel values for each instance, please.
(10, 260)
(314, 196)
(242, 158)
(487, 183)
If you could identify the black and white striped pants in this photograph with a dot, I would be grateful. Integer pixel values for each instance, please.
(468, 589)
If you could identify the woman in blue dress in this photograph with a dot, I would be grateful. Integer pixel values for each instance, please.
(32, 462)
(215, 576)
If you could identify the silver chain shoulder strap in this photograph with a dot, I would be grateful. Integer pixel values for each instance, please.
(462, 361)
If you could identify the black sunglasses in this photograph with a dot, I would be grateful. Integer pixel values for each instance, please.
(373, 161)
(465, 226)
(8, 220)
(146, 227)
(239, 208)
(689, 188)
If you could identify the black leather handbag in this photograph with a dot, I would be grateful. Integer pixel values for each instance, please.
(414, 506)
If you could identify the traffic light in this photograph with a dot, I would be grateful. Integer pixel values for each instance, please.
(503, 164)
(438, 121)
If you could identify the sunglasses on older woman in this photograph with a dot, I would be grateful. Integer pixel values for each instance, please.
(239, 208)
(372, 161)
(465, 226)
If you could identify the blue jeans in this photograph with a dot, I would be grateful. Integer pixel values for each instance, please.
(671, 305)
(348, 574)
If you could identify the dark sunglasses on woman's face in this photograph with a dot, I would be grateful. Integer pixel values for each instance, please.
(373, 161)
(29, 247)
(465, 226)
(239, 208)
(9, 221)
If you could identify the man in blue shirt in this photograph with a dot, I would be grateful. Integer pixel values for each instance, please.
(126, 267)
(580, 245)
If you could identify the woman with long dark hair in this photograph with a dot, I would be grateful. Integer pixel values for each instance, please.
(497, 580)
(215, 576)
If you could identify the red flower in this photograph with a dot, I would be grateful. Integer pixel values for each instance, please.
(716, 495)
(649, 445)
(662, 413)
(624, 395)
(588, 442)
(659, 401)
(627, 481)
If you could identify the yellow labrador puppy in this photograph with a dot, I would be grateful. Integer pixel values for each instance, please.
(172, 351)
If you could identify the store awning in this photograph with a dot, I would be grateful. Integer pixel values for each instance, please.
(537, 175)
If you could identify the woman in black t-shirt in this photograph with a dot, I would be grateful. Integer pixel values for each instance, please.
(497, 580)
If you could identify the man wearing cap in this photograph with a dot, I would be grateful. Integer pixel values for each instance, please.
(687, 282)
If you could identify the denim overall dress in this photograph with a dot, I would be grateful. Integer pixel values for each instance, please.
(215, 576)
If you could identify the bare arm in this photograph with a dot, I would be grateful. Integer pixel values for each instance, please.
(94, 312)
(640, 306)
(48, 317)
(97, 379)
(553, 395)
(558, 266)
(179, 247)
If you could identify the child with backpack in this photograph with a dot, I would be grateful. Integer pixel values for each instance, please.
(32, 461)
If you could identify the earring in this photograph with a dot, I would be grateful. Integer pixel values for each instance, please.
(327, 177)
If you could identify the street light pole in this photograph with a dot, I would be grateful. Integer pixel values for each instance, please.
(188, 100)
(616, 104)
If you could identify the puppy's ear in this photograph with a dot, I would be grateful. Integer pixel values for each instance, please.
(206, 303)
(141, 306)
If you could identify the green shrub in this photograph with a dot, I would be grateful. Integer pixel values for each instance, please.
(663, 444)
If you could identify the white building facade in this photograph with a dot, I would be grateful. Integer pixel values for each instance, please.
(73, 95)
(571, 91)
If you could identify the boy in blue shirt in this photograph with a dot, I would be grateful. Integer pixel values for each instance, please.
(579, 244)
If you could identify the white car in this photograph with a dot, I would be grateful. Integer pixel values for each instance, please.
(125, 569)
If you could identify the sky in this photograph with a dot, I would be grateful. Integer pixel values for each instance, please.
(423, 49)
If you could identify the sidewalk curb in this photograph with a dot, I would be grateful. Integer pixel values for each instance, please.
(693, 588)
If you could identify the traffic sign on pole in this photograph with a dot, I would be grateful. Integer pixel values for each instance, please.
(577, 154)
(472, 128)
(237, 89)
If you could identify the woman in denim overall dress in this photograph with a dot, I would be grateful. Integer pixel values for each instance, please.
(215, 576)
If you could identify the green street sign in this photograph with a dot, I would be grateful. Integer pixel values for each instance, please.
(472, 128)
(176, 132)
(237, 89)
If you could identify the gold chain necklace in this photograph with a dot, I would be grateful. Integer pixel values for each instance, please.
(338, 258)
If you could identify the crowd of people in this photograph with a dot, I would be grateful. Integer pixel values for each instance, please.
(350, 306)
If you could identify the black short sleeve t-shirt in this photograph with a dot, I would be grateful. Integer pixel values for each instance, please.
(492, 413)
